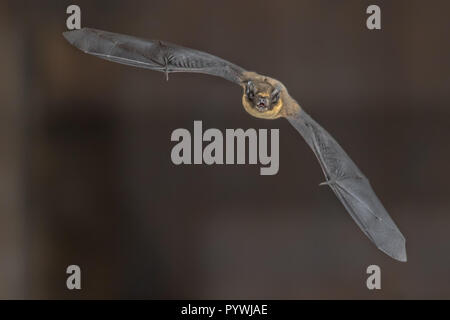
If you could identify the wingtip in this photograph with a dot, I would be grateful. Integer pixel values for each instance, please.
(397, 252)
(79, 37)
(401, 253)
(72, 36)
(401, 257)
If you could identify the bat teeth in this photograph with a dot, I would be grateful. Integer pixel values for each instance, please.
(261, 108)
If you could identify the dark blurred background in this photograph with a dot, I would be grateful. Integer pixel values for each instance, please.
(86, 175)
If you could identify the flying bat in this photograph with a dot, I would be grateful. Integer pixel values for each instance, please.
(263, 97)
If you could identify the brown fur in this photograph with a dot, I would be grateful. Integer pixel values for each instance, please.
(286, 105)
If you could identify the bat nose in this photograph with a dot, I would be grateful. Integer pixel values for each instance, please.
(262, 100)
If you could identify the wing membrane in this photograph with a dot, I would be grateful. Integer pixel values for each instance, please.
(151, 54)
(351, 187)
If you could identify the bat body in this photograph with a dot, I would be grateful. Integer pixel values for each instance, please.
(267, 98)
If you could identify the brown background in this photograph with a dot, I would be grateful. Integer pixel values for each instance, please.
(86, 176)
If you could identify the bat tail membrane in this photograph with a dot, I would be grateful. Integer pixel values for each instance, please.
(351, 187)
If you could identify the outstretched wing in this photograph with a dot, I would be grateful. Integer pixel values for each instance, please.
(151, 54)
(351, 187)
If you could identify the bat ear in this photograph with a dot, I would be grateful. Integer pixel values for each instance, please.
(249, 87)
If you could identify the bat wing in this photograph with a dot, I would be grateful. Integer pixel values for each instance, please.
(351, 187)
(151, 54)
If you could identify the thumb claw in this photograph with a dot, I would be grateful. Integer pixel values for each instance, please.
(326, 183)
(166, 67)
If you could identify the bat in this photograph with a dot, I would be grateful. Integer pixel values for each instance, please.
(263, 97)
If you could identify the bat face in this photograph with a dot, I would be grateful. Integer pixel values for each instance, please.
(262, 99)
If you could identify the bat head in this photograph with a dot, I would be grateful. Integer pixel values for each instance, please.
(262, 98)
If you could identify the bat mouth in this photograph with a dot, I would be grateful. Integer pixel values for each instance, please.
(261, 107)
